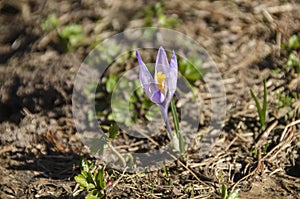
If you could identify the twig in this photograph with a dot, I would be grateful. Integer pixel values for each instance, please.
(288, 126)
(117, 154)
(6, 149)
(117, 181)
(282, 8)
(189, 170)
(288, 138)
(146, 136)
(278, 147)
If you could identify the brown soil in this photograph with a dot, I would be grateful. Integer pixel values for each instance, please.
(40, 151)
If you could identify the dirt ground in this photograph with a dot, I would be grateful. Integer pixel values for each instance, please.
(40, 151)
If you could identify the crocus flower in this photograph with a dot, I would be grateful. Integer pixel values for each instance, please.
(161, 88)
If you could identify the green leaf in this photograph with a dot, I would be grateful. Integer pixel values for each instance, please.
(224, 191)
(87, 175)
(187, 67)
(94, 194)
(293, 42)
(113, 131)
(85, 165)
(81, 180)
(89, 178)
(266, 148)
(234, 194)
(165, 170)
(264, 110)
(90, 186)
(260, 111)
(139, 91)
(181, 144)
(175, 115)
(111, 82)
(193, 76)
(146, 104)
(177, 128)
(256, 101)
(100, 179)
(84, 173)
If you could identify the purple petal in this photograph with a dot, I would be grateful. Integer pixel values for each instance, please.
(158, 97)
(145, 77)
(150, 89)
(172, 75)
(173, 62)
(162, 63)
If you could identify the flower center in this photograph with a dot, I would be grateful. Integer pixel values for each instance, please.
(161, 81)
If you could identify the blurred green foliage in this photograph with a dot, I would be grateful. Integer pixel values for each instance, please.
(113, 131)
(284, 100)
(189, 68)
(50, 23)
(71, 36)
(292, 44)
(293, 61)
(106, 52)
(293, 49)
(111, 82)
(155, 16)
(127, 101)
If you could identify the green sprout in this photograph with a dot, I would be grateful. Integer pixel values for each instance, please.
(224, 193)
(166, 173)
(262, 111)
(91, 179)
(167, 176)
(50, 23)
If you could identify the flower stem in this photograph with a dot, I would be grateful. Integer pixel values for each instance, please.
(164, 112)
(173, 137)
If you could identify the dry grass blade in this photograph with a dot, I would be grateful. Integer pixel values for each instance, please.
(286, 138)
(263, 137)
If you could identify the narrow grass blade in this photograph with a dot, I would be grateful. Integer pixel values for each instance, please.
(259, 110)
(264, 109)
(177, 128)
(175, 116)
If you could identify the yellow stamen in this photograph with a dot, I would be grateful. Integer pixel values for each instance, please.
(161, 81)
